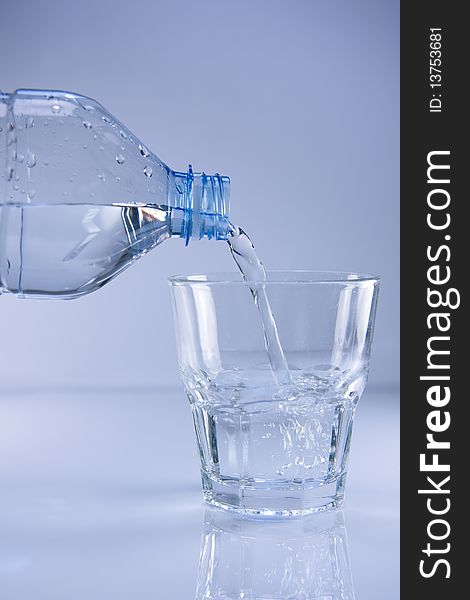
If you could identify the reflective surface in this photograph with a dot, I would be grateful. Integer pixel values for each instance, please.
(99, 498)
(276, 559)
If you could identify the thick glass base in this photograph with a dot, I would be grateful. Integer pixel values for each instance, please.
(294, 500)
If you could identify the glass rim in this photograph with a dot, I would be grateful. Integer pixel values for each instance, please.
(282, 277)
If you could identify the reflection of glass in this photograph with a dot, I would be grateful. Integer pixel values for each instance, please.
(275, 560)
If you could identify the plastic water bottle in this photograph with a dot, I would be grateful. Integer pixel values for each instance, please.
(81, 197)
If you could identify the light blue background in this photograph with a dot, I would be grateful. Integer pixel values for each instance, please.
(296, 100)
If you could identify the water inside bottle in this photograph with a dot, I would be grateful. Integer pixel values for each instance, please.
(67, 250)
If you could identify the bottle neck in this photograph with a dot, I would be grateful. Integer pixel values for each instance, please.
(200, 206)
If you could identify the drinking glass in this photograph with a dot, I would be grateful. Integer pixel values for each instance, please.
(270, 446)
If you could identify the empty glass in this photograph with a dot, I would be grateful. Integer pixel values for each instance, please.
(271, 448)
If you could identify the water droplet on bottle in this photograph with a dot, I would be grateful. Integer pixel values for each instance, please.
(20, 158)
(31, 162)
(29, 122)
(10, 173)
(87, 124)
(11, 126)
(55, 109)
(123, 134)
(30, 194)
(46, 123)
(46, 163)
(143, 151)
(120, 159)
(64, 194)
(85, 147)
(118, 179)
(101, 177)
(16, 187)
(95, 137)
(101, 148)
(71, 179)
(106, 119)
(66, 139)
(148, 171)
